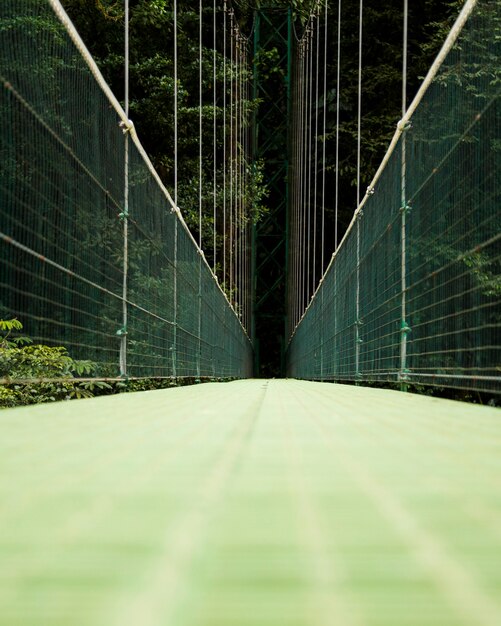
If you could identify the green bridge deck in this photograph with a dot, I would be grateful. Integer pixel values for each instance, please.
(252, 503)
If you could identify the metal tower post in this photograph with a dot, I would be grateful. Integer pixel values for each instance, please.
(272, 79)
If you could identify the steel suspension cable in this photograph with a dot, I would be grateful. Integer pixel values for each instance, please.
(403, 236)
(214, 138)
(232, 47)
(310, 141)
(200, 189)
(359, 104)
(237, 166)
(200, 113)
(338, 101)
(176, 220)
(315, 167)
(359, 215)
(301, 180)
(325, 141)
(123, 335)
(224, 144)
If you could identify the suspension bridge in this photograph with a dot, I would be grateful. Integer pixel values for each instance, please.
(296, 501)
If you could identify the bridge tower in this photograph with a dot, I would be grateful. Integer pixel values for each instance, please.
(272, 86)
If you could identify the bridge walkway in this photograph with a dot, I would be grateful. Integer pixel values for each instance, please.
(251, 503)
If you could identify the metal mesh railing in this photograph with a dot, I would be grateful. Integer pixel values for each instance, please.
(413, 293)
(84, 263)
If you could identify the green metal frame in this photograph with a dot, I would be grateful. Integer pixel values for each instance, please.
(272, 32)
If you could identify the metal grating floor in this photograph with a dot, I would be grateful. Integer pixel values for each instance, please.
(251, 503)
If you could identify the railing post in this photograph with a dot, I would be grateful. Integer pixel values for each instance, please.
(122, 332)
(404, 209)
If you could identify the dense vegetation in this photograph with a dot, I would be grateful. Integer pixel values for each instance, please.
(100, 23)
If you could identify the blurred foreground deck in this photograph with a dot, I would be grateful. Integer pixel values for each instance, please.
(251, 503)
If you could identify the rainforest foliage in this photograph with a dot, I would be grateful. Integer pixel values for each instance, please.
(101, 25)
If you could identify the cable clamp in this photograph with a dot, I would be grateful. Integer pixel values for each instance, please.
(371, 191)
(359, 322)
(406, 208)
(122, 332)
(403, 375)
(123, 215)
(360, 214)
(405, 328)
(404, 125)
(126, 126)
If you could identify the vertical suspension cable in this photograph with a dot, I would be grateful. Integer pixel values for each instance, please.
(303, 172)
(359, 105)
(309, 139)
(297, 182)
(324, 144)
(200, 189)
(214, 120)
(357, 297)
(231, 284)
(246, 186)
(242, 157)
(237, 168)
(200, 113)
(315, 167)
(404, 326)
(123, 331)
(176, 220)
(224, 144)
(338, 101)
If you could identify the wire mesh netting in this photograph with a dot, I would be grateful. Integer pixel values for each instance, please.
(66, 228)
(414, 291)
